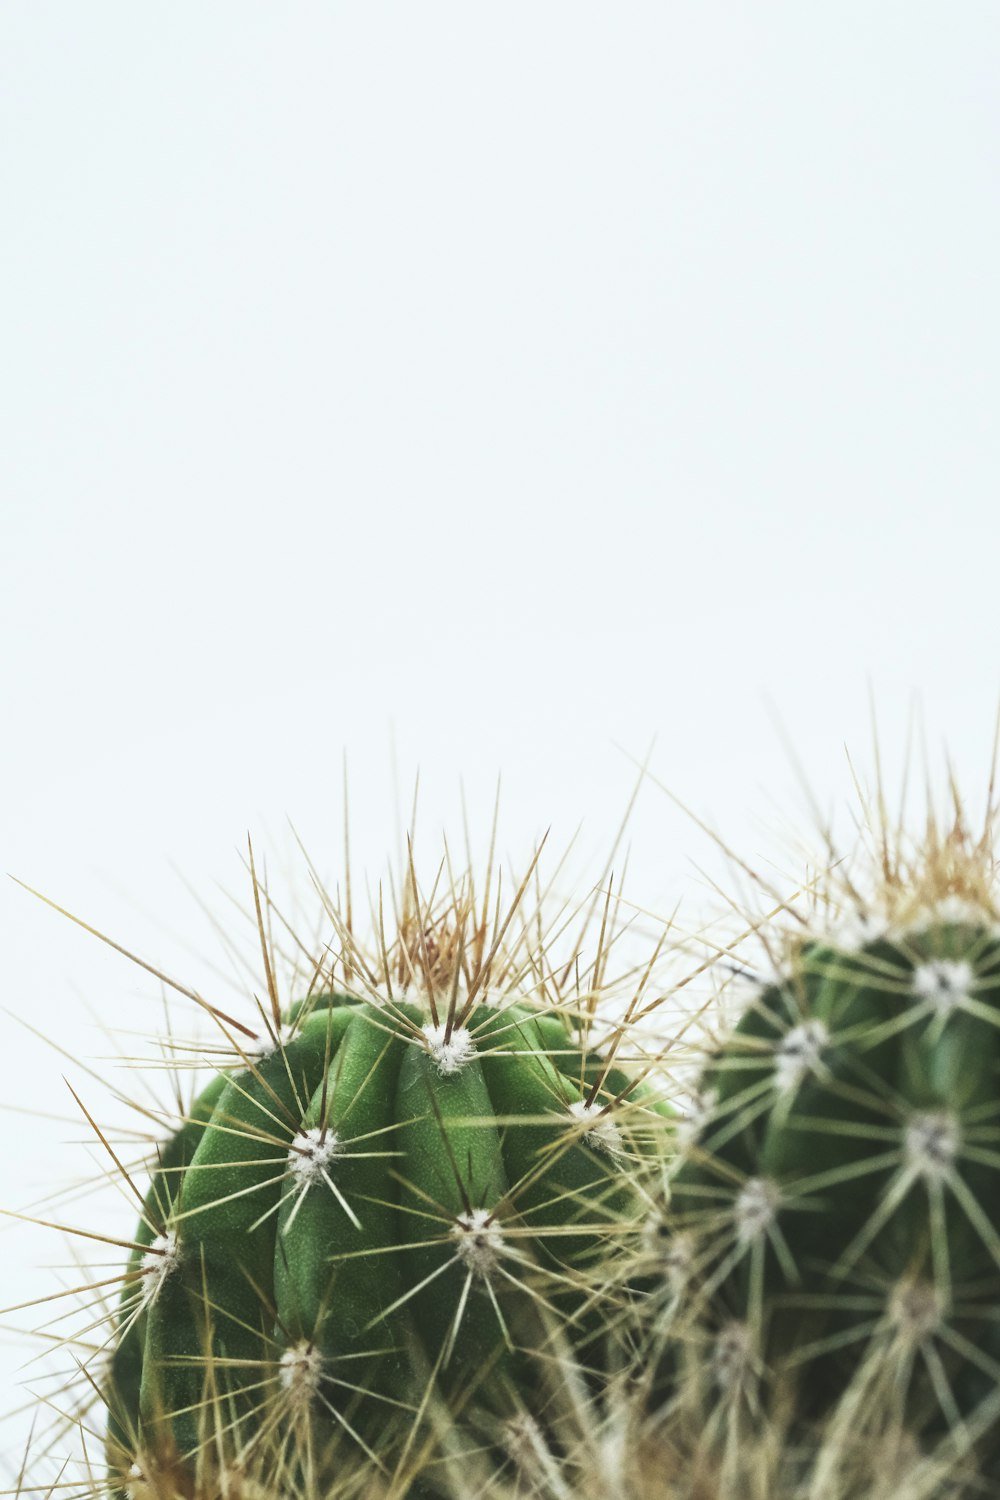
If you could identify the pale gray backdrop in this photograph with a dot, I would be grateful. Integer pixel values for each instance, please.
(507, 385)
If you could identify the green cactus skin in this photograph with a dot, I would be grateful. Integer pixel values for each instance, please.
(127, 1361)
(830, 1238)
(385, 1202)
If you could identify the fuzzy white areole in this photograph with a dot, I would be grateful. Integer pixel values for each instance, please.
(732, 1356)
(311, 1154)
(756, 1209)
(798, 1054)
(479, 1241)
(256, 1049)
(160, 1261)
(931, 1142)
(300, 1371)
(600, 1130)
(449, 1053)
(944, 982)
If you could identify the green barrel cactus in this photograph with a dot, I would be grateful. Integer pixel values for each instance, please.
(376, 1210)
(826, 1254)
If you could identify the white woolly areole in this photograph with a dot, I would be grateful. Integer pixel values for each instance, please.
(299, 1372)
(524, 1441)
(931, 1142)
(678, 1261)
(945, 982)
(731, 1355)
(256, 1048)
(310, 1153)
(479, 1241)
(601, 1132)
(137, 1485)
(798, 1053)
(449, 1053)
(916, 1310)
(159, 1261)
(756, 1208)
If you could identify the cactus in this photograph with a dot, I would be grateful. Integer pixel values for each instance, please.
(393, 1208)
(431, 1232)
(820, 1313)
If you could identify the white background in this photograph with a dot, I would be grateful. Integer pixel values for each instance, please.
(505, 384)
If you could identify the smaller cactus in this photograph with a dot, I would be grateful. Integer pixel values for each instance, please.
(824, 1264)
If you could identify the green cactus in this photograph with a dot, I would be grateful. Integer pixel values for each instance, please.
(384, 1200)
(827, 1249)
(429, 1233)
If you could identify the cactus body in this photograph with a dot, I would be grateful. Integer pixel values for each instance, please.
(386, 1203)
(830, 1250)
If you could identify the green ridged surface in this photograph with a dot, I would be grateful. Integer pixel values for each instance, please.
(351, 1219)
(832, 1232)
